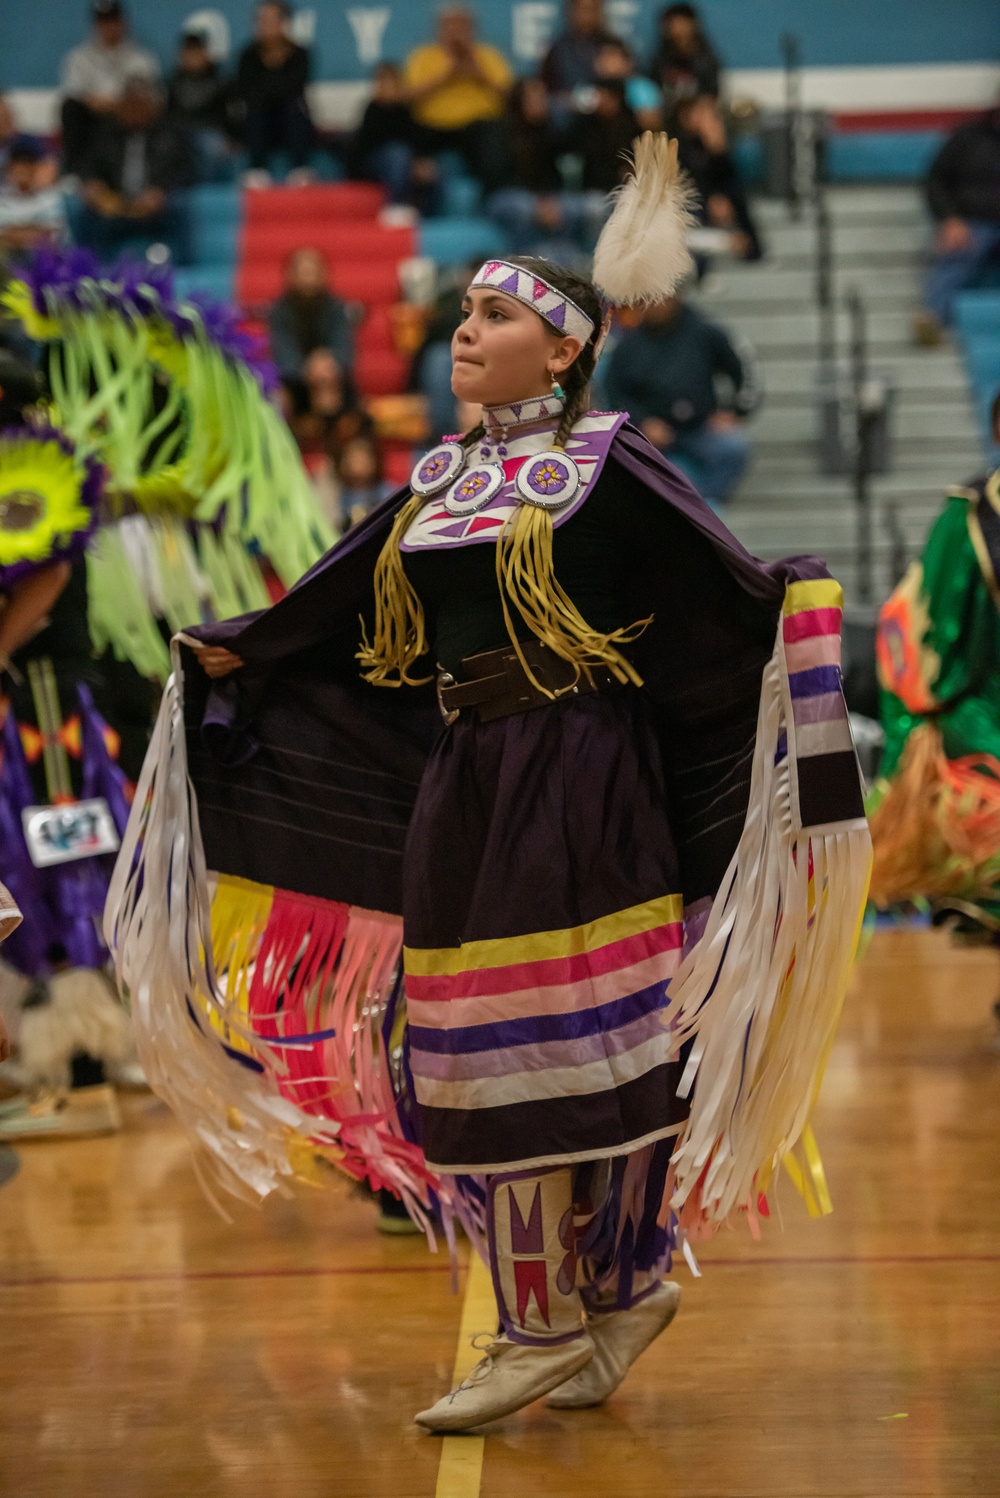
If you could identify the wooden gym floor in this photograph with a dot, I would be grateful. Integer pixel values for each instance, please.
(149, 1350)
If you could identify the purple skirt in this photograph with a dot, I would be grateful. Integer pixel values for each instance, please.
(542, 923)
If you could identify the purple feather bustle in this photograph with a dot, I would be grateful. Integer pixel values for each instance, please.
(72, 275)
(221, 322)
(59, 271)
(91, 494)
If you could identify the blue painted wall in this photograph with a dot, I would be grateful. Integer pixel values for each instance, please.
(34, 34)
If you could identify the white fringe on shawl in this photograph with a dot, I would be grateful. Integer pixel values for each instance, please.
(642, 253)
(157, 925)
(761, 993)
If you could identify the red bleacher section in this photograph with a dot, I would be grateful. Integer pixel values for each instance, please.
(341, 219)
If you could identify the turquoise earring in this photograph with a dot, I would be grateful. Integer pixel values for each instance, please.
(557, 390)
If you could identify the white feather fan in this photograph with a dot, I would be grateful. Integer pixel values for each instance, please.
(642, 254)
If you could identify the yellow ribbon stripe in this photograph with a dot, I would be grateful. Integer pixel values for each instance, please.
(824, 593)
(240, 912)
(810, 1183)
(811, 1151)
(541, 946)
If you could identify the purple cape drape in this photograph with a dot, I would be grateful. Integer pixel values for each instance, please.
(306, 776)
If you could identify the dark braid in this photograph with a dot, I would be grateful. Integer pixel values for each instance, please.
(575, 380)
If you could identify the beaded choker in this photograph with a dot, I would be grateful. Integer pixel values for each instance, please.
(520, 413)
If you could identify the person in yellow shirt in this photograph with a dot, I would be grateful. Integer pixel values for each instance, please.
(456, 88)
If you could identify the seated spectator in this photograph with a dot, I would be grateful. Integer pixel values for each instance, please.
(200, 100)
(456, 88)
(132, 176)
(703, 152)
(685, 63)
(361, 476)
(386, 145)
(325, 415)
(531, 206)
(603, 137)
(963, 192)
(94, 76)
(615, 60)
(31, 208)
(307, 316)
(271, 87)
(570, 62)
(664, 373)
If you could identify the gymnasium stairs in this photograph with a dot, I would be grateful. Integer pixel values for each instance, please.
(785, 503)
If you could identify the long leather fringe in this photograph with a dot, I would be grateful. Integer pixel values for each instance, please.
(761, 993)
(256, 1013)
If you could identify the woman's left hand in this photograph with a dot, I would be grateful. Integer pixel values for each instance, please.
(217, 662)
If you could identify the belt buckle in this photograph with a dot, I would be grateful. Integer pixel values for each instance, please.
(445, 679)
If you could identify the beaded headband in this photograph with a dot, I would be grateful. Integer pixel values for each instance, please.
(551, 305)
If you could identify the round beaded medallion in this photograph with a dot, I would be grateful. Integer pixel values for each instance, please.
(437, 468)
(549, 480)
(474, 489)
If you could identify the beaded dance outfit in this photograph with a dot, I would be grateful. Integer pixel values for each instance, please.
(467, 960)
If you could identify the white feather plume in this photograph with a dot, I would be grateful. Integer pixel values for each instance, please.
(642, 254)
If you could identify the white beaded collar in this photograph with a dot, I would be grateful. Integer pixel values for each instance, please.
(521, 413)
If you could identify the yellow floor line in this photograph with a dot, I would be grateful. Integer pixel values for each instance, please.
(461, 1469)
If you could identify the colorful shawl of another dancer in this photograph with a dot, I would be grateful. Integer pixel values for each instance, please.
(936, 808)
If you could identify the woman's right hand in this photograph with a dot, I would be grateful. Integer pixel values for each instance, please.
(216, 661)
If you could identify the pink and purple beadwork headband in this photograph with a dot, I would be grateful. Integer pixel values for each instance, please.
(551, 305)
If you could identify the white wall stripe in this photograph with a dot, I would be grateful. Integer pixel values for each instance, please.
(966, 85)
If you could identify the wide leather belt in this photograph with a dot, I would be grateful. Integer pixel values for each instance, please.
(494, 684)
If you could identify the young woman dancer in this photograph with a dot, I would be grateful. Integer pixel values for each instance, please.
(634, 851)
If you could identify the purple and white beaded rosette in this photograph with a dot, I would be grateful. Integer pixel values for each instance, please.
(437, 469)
(548, 481)
(551, 305)
(474, 489)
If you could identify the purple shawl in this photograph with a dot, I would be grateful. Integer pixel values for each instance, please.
(306, 776)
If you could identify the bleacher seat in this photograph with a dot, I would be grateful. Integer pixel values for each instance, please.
(377, 328)
(748, 153)
(335, 201)
(214, 243)
(978, 312)
(212, 280)
(260, 281)
(461, 197)
(855, 156)
(380, 371)
(454, 241)
(882, 156)
(982, 360)
(215, 203)
(363, 240)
